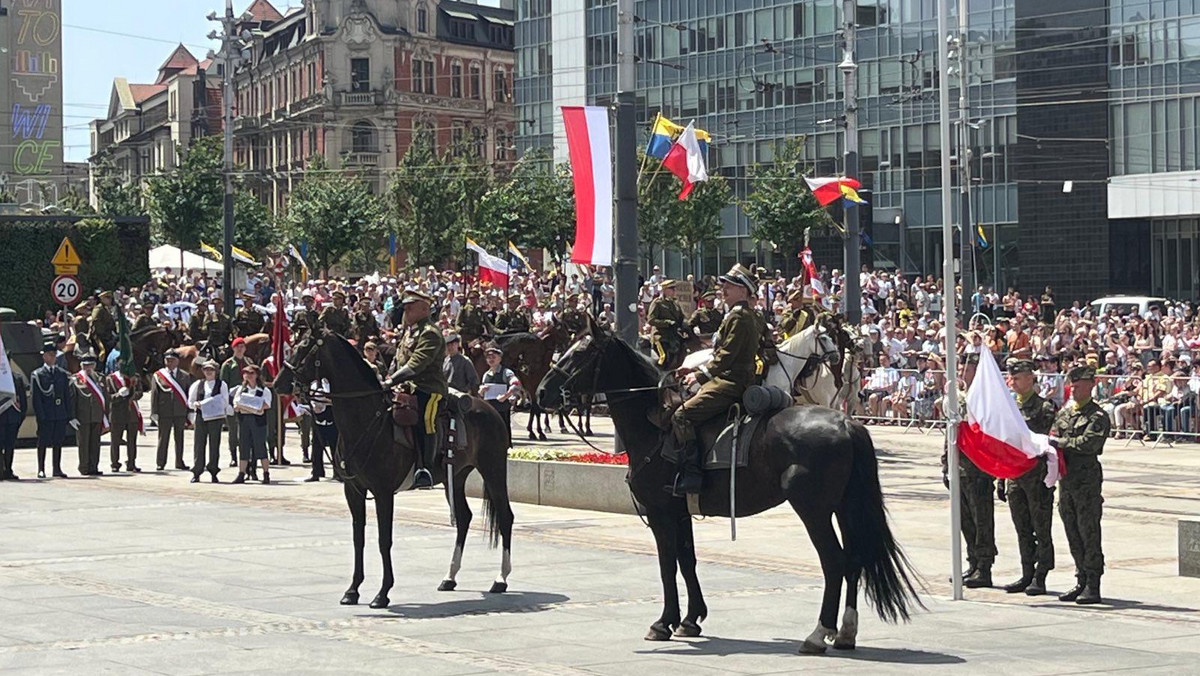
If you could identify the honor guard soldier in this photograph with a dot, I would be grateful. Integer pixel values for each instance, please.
(666, 324)
(246, 322)
(146, 320)
(102, 326)
(798, 316)
(1080, 430)
(979, 510)
(197, 322)
(52, 406)
(514, 319)
(723, 379)
(124, 417)
(89, 415)
(472, 322)
(1029, 500)
(707, 318)
(363, 325)
(421, 354)
(218, 328)
(13, 409)
(336, 317)
(169, 408)
(304, 320)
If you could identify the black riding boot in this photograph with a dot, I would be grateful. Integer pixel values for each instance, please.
(1075, 591)
(1091, 591)
(982, 577)
(422, 478)
(1021, 584)
(1038, 586)
(690, 478)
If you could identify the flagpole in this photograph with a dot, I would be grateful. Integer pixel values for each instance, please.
(950, 298)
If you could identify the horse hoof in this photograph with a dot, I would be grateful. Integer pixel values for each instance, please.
(562, 430)
(811, 648)
(844, 644)
(498, 588)
(688, 629)
(379, 602)
(532, 436)
(542, 436)
(350, 598)
(447, 585)
(658, 632)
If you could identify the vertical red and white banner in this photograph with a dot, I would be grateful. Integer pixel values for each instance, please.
(590, 147)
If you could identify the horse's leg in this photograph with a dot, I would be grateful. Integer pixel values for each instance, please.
(502, 520)
(356, 500)
(529, 425)
(819, 523)
(462, 519)
(697, 609)
(665, 539)
(587, 407)
(847, 636)
(562, 423)
(541, 413)
(383, 514)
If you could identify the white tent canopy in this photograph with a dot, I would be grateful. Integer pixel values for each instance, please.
(167, 256)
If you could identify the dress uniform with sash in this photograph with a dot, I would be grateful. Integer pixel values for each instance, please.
(420, 356)
(1029, 500)
(168, 405)
(126, 420)
(90, 415)
(12, 413)
(1080, 430)
(336, 317)
(52, 406)
(667, 322)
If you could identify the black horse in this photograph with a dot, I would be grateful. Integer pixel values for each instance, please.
(817, 459)
(369, 459)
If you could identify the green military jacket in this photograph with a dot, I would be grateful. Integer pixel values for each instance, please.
(365, 326)
(142, 323)
(102, 323)
(423, 349)
(88, 407)
(231, 371)
(513, 321)
(247, 323)
(472, 322)
(794, 321)
(304, 322)
(336, 319)
(734, 349)
(218, 328)
(666, 319)
(1039, 413)
(706, 320)
(1081, 432)
(196, 326)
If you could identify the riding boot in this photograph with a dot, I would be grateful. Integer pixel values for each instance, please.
(1021, 584)
(422, 478)
(1075, 591)
(1091, 592)
(982, 577)
(690, 478)
(1038, 586)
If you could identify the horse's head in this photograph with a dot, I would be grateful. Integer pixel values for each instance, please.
(301, 367)
(584, 369)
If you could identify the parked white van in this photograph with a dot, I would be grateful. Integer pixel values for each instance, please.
(1126, 305)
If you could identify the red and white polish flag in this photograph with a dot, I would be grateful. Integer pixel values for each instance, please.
(995, 436)
(492, 269)
(590, 148)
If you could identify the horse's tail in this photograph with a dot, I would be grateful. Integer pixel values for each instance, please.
(887, 574)
(491, 518)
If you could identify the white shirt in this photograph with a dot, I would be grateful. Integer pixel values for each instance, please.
(209, 396)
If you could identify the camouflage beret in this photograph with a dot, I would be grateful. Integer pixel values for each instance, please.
(1022, 366)
(1081, 373)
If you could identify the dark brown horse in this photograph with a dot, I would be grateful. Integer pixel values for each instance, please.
(371, 460)
(529, 356)
(819, 460)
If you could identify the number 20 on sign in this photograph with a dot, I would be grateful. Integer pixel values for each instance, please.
(66, 290)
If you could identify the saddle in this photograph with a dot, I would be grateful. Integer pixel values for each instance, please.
(406, 415)
(726, 443)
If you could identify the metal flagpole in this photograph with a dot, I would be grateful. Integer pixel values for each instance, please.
(852, 287)
(950, 299)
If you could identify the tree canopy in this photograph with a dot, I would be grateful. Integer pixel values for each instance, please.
(780, 205)
(533, 207)
(333, 211)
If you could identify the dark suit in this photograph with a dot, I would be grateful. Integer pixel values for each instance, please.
(52, 405)
(10, 425)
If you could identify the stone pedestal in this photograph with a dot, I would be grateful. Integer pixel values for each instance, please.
(1189, 548)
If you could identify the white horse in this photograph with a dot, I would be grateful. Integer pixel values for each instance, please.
(803, 369)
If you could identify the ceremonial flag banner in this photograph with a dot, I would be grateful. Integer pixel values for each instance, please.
(829, 190)
(591, 166)
(686, 161)
(7, 384)
(516, 254)
(492, 269)
(212, 251)
(662, 137)
(994, 435)
(812, 281)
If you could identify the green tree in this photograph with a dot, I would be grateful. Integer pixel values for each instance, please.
(187, 204)
(334, 212)
(254, 228)
(428, 198)
(781, 206)
(697, 222)
(534, 207)
(116, 195)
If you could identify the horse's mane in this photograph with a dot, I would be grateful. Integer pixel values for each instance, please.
(351, 356)
(642, 364)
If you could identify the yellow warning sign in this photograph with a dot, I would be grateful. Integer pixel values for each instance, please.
(66, 254)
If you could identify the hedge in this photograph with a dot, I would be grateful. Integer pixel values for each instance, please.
(114, 255)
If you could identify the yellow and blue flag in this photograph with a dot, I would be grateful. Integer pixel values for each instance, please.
(663, 134)
(850, 195)
(982, 238)
(518, 257)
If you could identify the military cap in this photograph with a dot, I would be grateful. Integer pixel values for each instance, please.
(307, 293)
(49, 346)
(219, 300)
(1022, 366)
(171, 354)
(106, 294)
(797, 294)
(82, 307)
(741, 276)
(1082, 372)
(338, 292)
(668, 284)
(709, 294)
(88, 358)
(414, 295)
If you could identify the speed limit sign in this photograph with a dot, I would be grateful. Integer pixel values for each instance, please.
(66, 289)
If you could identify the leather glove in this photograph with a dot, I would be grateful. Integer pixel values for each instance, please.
(404, 374)
(1002, 490)
(123, 392)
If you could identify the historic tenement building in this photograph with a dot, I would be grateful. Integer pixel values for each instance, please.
(353, 79)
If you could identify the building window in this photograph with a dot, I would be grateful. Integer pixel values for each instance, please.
(503, 141)
(476, 81)
(422, 19)
(478, 140)
(360, 75)
(458, 139)
(362, 137)
(500, 86)
(422, 77)
(456, 85)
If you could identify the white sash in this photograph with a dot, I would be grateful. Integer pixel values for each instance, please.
(166, 382)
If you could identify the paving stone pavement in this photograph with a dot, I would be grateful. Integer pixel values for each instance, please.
(149, 574)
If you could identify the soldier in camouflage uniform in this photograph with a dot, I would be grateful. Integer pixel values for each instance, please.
(196, 324)
(1080, 430)
(247, 321)
(218, 328)
(707, 318)
(722, 380)
(336, 317)
(666, 321)
(419, 361)
(799, 315)
(515, 319)
(102, 326)
(1029, 500)
(305, 320)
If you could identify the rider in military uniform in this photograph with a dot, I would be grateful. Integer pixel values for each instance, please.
(574, 319)
(419, 358)
(798, 316)
(364, 325)
(102, 325)
(666, 324)
(145, 321)
(196, 324)
(247, 321)
(1079, 431)
(218, 327)
(1029, 500)
(706, 319)
(722, 380)
(472, 322)
(305, 320)
(514, 319)
(336, 317)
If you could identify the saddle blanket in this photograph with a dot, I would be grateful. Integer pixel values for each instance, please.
(719, 451)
